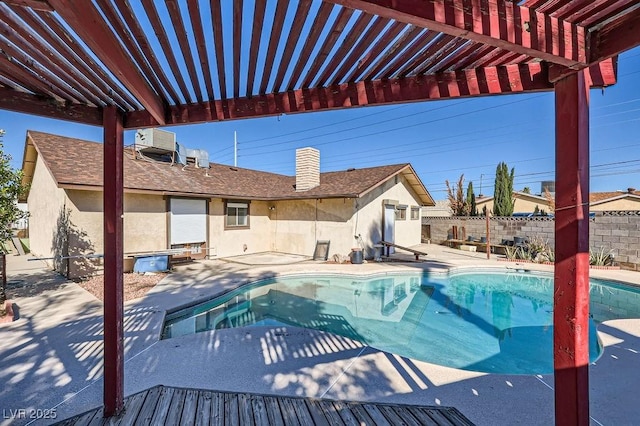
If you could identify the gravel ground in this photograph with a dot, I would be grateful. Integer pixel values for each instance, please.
(135, 285)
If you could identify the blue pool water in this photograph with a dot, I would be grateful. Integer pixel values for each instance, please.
(488, 322)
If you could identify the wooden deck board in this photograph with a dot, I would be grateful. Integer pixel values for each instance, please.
(246, 410)
(190, 408)
(347, 416)
(273, 411)
(217, 409)
(376, 415)
(203, 412)
(175, 409)
(162, 408)
(231, 413)
(134, 404)
(327, 408)
(259, 410)
(167, 405)
(319, 419)
(149, 407)
(288, 410)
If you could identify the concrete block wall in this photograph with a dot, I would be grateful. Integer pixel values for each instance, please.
(615, 231)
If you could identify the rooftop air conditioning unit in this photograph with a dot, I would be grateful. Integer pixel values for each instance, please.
(156, 138)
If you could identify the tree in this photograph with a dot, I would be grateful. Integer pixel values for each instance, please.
(526, 190)
(503, 191)
(456, 198)
(550, 199)
(471, 200)
(10, 190)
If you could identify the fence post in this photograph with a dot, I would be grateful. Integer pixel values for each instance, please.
(3, 283)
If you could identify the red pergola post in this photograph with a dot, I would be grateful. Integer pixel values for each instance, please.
(571, 280)
(113, 255)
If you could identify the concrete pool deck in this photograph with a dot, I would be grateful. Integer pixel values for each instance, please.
(51, 357)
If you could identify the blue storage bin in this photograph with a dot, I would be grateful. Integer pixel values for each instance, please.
(152, 263)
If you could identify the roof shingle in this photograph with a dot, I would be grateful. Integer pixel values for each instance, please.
(80, 162)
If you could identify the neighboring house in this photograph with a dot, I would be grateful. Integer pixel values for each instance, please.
(523, 203)
(216, 211)
(614, 201)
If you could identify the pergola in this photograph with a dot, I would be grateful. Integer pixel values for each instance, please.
(126, 64)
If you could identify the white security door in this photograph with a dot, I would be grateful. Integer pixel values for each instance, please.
(188, 221)
(389, 226)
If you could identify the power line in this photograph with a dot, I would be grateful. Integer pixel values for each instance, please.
(395, 150)
(393, 129)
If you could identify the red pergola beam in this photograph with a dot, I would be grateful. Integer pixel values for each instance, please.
(33, 4)
(492, 22)
(113, 178)
(601, 74)
(87, 22)
(487, 81)
(571, 276)
(616, 37)
(475, 82)
(13, 100)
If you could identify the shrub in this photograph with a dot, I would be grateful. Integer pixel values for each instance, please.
(600, 257)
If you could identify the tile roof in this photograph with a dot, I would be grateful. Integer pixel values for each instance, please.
(76, 162)
(596, 197)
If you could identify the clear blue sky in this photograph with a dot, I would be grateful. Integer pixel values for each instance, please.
(440, 139)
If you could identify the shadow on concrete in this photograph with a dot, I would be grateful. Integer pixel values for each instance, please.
(69, 243)
(45, 363)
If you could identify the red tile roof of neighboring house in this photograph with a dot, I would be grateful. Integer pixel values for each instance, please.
(78, 163)
(596, 197)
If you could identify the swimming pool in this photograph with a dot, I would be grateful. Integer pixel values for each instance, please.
(492, 322)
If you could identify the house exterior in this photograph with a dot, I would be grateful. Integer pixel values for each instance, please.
(523, 203)
(615, 201)
(215, 211)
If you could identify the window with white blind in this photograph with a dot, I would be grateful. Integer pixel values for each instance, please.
(237, 215)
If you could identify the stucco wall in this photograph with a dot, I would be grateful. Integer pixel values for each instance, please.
(232, 242)
(70, 223)
(297, 225)
(144, 212)
(522, 204)
(407, 231)
(621, 204)
(144, 222)
(46, 204)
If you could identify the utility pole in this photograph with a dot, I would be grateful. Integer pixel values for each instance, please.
(235, 149)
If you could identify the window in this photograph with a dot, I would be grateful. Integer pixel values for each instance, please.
(237, 215)
(401, 212)
(415, 213)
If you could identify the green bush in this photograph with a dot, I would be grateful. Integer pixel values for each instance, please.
(600, 257)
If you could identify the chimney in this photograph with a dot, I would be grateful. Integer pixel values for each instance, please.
(307, 168)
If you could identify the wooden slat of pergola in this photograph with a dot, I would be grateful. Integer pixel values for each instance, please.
(365, 42)
(302, 11)
(256, 37)
(383, 42)
(338, 26)
(201, 45)
(311, 41)
(163, 39)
